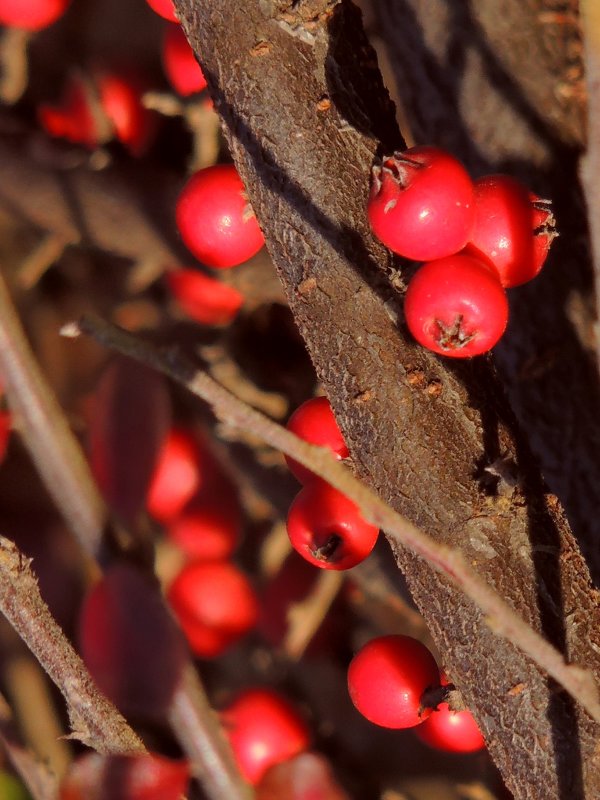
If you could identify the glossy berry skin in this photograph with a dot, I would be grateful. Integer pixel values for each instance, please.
(513, 228)
(31, 15)
(314, 422)
(179, 62)
(206, 300)
(451, 731)
(215, 219)
(387, 678)
(178, 474)
(263, 729)
(326, 528)
(421, 203)
(165, 8)
(456, 306)
(215, 605)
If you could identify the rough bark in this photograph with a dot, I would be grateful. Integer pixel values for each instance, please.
(305, 112)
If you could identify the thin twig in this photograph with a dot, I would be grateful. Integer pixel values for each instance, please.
(39, 780)
(46, 433)
(590, 163)
(94, 720)
(305, 617)
(190, 714)
(501, 618)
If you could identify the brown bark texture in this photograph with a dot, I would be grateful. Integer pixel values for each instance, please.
(305, 113)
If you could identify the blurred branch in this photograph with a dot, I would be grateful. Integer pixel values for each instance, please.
(46, 433)
(450, 562)
(38, 779)
(590, 162)
(94, 720)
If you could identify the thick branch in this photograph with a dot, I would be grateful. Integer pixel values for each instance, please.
(305, 112)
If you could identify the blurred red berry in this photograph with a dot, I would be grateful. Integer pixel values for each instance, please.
(314, 422)
(215, 219)
(32, 15)
(140, 777)
(178, 474)
(215, 605)
(165, 8)
(264, 729)
(181, 68)
(206, 300)
(327, 529)
(513, 228)
(209, 526)
(456, 306)
(5, 428)
(387, 678)
(72, 117)
(421, 203)
(134, 125)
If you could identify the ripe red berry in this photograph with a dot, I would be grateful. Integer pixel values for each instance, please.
(5, 428)
(314, 422)
(326, 528)
(264, 729)
(165, 8)
(209, 527)
(177, 475)
(451, 731)
(387, 678)
(513, 228)
(215, 219)
(456, 306)
(204, 299)
(421, 203)
(31, 15)
(215, 605)
(179, 62)
(141, 777)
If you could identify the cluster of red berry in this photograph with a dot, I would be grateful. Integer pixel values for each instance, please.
(477, 239)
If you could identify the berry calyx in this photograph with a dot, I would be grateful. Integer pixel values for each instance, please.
(314, 422)
(513, 228)
(456, 306)
(421, 203)
(31, 15)
(387, 678)
(165, 8)
(215, 219)
(327, 529)
(179, 62)
(204, 299)
(177, 475)
(263, 729)
(215, 605)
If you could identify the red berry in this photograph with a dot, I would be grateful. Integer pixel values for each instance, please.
(215, 219)
(209, 527)
(179, 62)
(141, 777)
(421, 203)
(452, 731)
(177, 475)
(72, 117)
(314, 422)
(5, 428)
(456, 306)
(215, 605)
(204, 299)
(165, 8)
(387, 678)
(326, 528)
(264, 729)
(32, 15)
(513, 228)
(134, 125)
